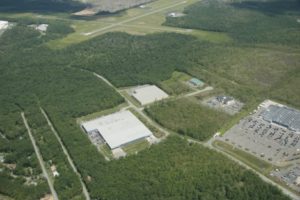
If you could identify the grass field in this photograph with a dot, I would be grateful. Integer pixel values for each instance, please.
(105, 150)
(136, 147)
(135, 21)
(176, 85)
(250, 160)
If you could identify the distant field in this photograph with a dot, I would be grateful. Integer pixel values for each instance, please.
(177, 84)
(271, 21)
(136, 21)
(113, 6)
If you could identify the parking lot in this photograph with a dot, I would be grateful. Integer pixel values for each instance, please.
(268, 141)
(96, 137)
(290, 176)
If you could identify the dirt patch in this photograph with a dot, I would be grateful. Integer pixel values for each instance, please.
(47, 197)
(85, 13)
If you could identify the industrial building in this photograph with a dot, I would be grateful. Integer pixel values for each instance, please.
(40, 27)
(176, 14)
(284, 116)
(148, 94)
(226, 100)
(268, 133)
(3, 24)
(117, 129)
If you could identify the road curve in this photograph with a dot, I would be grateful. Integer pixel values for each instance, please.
(264, 178)
(208, 144)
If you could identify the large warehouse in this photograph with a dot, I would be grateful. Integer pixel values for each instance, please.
(283, 116)
(118, 129)
(148, 94)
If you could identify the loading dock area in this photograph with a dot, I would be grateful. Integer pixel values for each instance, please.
(116, 130)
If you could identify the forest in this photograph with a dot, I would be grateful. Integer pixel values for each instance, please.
(254, 22)
(40, 6)
(17, 149)
(188, 118)
(33, 75)
(67, 184)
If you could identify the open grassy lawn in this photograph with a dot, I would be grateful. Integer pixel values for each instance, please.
(188, 118)
(176, 85)
(250, 160)
(106, 151)
(135, 21)
(136, 147)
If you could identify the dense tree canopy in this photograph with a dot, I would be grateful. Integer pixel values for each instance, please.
(32, 75)
(271, 21)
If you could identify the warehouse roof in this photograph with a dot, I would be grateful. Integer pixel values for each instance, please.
(119, 128)
(284, 116)
(148, 94)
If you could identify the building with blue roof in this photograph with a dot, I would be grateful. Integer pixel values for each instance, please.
(196, 82)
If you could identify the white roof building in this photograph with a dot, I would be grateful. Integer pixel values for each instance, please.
(54, 171)
(118, 129)
(148, 94)
(3, 24)
(42, 27)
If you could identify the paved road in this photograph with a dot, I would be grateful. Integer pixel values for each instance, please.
(131, 105)
(40, 159)
(84, 189)
(263, 177)
(133, 18)
(209, 88)
(207, 144)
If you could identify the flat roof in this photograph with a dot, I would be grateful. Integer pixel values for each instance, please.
(148, 94)
(282, 115)
(196, 81)
(119, 128)
(3, 24)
